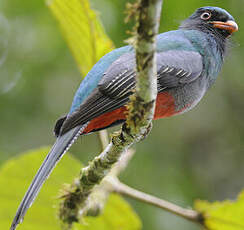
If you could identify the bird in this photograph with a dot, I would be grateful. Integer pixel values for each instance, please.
(189, 60)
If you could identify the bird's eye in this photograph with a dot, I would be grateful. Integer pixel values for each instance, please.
(205, 15)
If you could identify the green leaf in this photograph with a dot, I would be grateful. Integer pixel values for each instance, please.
(117, 215)
(83, 31)
(226, 215)
(16, 175)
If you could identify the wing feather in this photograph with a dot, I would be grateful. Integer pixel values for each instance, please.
(174, 68)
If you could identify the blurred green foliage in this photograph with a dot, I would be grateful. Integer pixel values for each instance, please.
(16, 174)
(227, 215)
(116, 215)
(15, 177)
(196, 155)
(83, 30)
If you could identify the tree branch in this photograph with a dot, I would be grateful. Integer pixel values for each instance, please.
(123, 189)
(138, 123)
(103, 138)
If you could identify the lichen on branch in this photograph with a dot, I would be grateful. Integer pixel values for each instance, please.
(138, 122)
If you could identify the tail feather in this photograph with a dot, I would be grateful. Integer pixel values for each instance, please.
(61, 146)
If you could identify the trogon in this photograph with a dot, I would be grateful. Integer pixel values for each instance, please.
(188, 62)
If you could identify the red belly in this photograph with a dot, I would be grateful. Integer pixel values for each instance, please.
(165, 107)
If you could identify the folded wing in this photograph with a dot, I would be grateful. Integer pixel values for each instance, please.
(174, 68)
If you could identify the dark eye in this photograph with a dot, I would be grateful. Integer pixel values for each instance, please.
(206, 16)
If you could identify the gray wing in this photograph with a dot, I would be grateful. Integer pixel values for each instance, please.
(174, 68)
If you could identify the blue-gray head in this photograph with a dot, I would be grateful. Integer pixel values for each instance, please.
(213, 20)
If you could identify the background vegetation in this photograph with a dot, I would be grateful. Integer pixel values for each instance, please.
(196, 155)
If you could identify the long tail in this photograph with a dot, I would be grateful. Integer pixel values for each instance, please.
(61, 146)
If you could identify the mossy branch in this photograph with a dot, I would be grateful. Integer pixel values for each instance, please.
(138, 123)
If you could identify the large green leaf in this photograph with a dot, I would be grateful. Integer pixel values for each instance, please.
(15, 177)
(226, 215)
(83, 31)
(117, 215)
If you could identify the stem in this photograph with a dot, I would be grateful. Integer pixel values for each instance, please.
(123, 189)
(103, 138)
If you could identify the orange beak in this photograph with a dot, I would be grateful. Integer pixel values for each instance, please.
(230, 26)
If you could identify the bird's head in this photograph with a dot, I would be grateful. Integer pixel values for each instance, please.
(211, 20)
